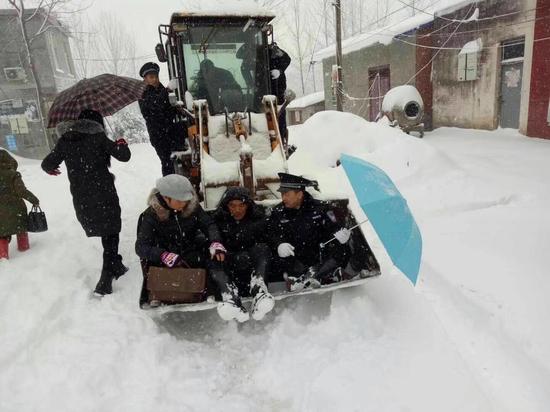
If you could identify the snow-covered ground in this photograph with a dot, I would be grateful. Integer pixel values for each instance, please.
(471, 336)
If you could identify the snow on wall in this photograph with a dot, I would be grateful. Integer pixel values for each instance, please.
(473, 46)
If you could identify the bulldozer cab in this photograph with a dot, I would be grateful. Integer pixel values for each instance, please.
(222, 67)
(221, 59)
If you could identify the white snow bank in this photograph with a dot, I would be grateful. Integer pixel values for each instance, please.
(323, 138)
(399, 96)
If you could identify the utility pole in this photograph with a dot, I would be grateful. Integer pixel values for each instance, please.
(338, 81)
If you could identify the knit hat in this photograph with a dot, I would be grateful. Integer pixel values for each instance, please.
(175, 186)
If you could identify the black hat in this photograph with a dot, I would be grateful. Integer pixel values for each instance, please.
(293, 182)
(149, 67)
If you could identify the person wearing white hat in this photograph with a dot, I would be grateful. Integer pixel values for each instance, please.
(171, 232)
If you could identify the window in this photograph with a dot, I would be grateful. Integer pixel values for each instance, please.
(60, 52)
(513, 49)
(226, 65)
(468, 60)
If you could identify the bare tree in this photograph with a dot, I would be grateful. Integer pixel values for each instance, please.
(85, 44)
(116, 47)
(301, 36)
(44, 13)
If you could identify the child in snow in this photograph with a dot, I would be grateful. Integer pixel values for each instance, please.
(13, 211)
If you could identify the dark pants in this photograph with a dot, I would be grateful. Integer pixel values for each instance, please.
(166, 163)
(110, 249)
(334, 256)
(218, 280)
(241, 266)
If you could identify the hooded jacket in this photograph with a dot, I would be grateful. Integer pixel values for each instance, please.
(239, 235)
(161, 229)
(13, 211)
(86, 151)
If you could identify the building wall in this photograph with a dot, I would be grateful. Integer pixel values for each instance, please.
(539, 102)
(475, 104)
(423, 79)
(34, 143)
(399, 56)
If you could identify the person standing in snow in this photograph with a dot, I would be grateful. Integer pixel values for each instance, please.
(243, 230)
(171, 233)
(165, 133)
(13, 212)
(279, 60)
(86, 151)
(297, 226)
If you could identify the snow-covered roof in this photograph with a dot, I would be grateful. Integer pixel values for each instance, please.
(386, 34)
(307, 100)
(241, 8)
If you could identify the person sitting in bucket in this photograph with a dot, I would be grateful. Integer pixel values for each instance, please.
(243, 228)
(297, 227)
(168, 234)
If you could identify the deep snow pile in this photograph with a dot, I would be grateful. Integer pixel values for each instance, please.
(472, 336)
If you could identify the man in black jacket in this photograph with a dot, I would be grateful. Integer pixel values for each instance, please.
(297, 227)
(243, 229)
(165, 133)
(168, 234)
(86, 151)
(279, 60)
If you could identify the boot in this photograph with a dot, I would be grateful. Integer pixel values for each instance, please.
(262, 301)
(231, 307)
(105, 284)
(118, 267)
(4, 248)
(305, 281)
(23, 242)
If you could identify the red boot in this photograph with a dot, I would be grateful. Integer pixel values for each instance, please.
(4, 247)
(23, 242)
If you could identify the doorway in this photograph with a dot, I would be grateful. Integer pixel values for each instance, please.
(379, 85)
(511, 78)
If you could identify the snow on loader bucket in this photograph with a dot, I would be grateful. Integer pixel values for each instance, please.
(221, 63)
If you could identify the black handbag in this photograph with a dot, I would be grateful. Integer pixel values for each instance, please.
(37, 220)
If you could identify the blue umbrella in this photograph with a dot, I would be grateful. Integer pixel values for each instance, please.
(388, 213)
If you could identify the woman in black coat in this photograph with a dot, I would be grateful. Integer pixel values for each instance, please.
(86, 151)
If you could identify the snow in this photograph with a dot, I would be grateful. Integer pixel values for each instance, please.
(307, 100)
(472, 336)
(399, 97)
(473, 46)
(217, 8)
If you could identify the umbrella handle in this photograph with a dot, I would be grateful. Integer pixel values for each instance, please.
(110, 128)
(350, 229)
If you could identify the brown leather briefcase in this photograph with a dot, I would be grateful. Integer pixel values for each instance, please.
(176, 285)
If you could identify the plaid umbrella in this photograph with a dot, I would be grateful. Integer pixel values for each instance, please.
(106, 94)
